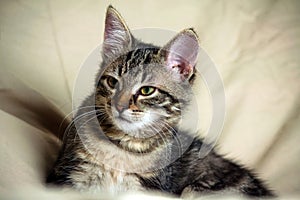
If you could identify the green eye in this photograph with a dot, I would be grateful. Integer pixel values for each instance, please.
(111, 81)
(147, 90)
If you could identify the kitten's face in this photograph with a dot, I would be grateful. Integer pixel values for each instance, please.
(142, 97)
(142, 88)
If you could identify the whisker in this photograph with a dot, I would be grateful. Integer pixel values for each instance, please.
(173, 132)
(82, 125)
(78, 118)
(75, 110)
(165, 143)
(158, 131)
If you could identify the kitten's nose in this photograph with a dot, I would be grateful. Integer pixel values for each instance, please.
(120, 108)
(122, 101)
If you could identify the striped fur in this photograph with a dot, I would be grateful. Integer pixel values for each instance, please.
(121, 140)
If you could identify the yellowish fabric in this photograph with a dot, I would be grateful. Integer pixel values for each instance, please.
(255, 45)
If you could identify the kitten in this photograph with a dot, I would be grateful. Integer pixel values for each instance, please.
(125, 134)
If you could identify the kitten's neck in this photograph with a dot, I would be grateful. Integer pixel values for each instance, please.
(106, 153)
(145, 142)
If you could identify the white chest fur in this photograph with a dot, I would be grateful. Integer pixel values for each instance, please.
(96, 179)
(116, 181)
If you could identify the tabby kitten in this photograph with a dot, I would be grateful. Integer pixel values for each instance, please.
(125, 135)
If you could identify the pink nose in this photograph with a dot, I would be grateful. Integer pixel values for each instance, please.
(120, 108)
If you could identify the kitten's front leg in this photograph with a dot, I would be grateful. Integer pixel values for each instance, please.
(192, 192)
(189, 193)
(246, 185)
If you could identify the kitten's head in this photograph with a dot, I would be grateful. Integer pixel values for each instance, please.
(143, 88)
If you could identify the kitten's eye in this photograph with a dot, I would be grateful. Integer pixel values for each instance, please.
(111, 81)
(147, 90)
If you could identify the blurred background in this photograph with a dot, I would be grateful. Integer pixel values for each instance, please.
(254, 44)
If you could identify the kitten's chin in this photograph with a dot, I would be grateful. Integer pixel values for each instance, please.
(136, 125)
(137, 129)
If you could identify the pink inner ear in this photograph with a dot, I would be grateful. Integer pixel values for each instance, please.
(176, 62)
(182, 53)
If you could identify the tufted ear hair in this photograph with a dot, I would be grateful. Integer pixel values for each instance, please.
(181, 53)
(117, 37)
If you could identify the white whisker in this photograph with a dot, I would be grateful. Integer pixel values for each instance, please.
(75, 110)
(74, 121)
(82, 125)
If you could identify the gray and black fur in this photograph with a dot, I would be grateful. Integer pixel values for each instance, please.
(106, 150)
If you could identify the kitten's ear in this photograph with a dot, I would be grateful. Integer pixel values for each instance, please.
(117, 37)
(181, 53)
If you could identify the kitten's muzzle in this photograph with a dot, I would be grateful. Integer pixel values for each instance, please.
(121, 107)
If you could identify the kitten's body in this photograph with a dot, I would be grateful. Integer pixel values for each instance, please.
(120, 159)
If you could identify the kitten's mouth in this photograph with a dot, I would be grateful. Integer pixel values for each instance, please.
(134, 127)
(120, 117)
(131, 123)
